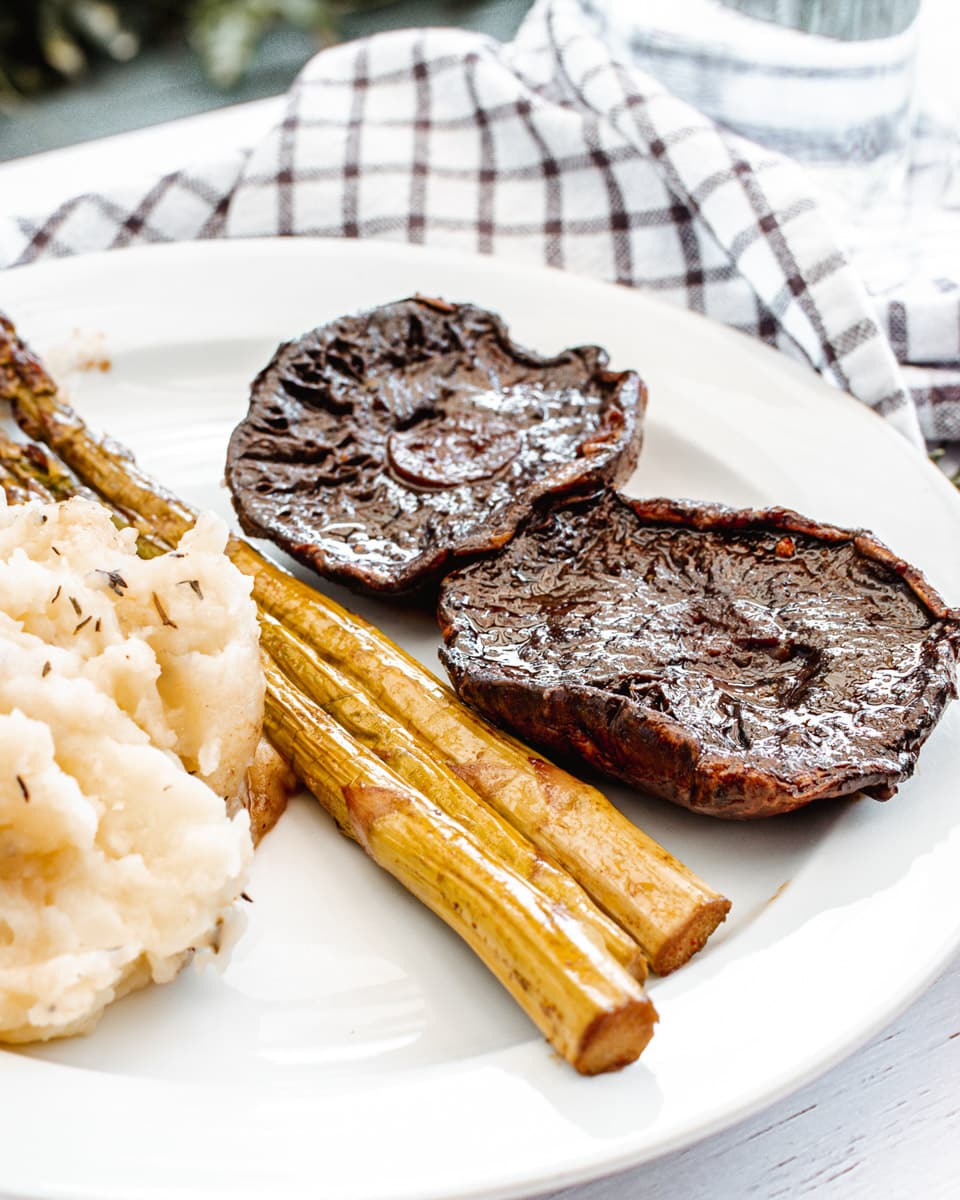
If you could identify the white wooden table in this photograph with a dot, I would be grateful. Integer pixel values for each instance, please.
(884, 1124)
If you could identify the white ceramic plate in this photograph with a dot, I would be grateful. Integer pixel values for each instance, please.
(354, 1048)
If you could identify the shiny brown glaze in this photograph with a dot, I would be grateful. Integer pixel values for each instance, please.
(381, 449)
(739, 663)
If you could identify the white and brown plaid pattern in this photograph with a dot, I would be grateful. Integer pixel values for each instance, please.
(551, 150)
(176, 207)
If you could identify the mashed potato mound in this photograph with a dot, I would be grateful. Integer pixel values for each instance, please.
(131, 702)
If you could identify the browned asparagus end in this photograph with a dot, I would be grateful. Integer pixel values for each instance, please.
(616, 1039)
(660, 902)
(590, 1010)
(686, 941)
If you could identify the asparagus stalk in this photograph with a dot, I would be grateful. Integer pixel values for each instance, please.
(590, 1009)
(31, 473)
(393, 744)
(663, 905)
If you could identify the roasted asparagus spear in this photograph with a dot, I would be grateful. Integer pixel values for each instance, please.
(591, 1010)
(393, 744)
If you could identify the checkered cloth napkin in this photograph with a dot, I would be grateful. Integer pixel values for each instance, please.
(557, 148)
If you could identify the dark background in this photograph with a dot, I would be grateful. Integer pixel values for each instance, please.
(166, 82)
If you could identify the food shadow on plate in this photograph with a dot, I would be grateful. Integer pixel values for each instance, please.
(784, 871)
(610, 1108)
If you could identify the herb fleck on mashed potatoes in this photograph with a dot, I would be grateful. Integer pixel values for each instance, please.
(131, 701)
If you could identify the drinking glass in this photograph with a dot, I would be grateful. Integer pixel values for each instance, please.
(831, 83)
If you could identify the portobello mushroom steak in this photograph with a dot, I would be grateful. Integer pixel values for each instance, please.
(739, 663)
(383, 448)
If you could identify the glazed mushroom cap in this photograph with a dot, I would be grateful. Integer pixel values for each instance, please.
(739, 663)
(382, 449)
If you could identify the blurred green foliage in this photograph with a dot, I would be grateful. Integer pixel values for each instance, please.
(45, 42)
